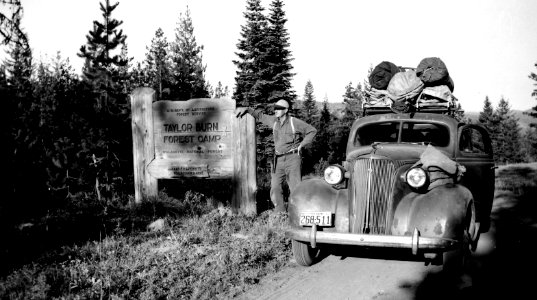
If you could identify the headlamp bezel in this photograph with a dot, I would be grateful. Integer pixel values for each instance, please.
(424, 181)
(340, 172)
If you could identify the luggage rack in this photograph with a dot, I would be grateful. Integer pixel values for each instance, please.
(420, 105)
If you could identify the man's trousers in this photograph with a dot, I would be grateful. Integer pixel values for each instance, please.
(287, 167)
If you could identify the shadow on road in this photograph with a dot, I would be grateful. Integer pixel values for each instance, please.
(505, 261)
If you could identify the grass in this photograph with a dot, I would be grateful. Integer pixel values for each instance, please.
(516, 187)
(508, 250)
(201, 253)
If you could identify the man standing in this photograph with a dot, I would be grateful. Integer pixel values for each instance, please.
(290, 136)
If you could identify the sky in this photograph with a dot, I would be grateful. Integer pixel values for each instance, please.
(489, 47)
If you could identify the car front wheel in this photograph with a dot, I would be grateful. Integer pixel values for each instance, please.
(455, 260)
(304, 254)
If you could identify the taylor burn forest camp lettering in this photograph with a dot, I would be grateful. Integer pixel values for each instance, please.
(193, 133)
(200, 128)
(188, 127)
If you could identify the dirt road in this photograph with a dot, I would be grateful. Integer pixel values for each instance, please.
(342, 277)
(503, 265)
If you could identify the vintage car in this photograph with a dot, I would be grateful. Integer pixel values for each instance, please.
(384, 195)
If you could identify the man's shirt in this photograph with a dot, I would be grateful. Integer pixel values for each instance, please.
(284, 138)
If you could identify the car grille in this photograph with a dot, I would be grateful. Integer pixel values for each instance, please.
(372, 195)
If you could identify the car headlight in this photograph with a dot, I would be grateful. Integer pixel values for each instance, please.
(334, 174)
(417, 178)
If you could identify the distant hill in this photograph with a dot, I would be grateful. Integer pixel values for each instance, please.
(334, 108)
(524, 120)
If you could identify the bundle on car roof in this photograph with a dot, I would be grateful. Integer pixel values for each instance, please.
(425, 88)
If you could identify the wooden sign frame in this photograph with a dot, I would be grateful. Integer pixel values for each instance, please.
(198, 138)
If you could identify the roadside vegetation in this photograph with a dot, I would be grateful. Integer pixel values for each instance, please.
(508, 249)
(197, 251)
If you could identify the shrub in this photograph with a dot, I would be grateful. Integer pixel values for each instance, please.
(207, 255)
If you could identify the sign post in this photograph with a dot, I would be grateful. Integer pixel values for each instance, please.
(143, 150)
(198, 138)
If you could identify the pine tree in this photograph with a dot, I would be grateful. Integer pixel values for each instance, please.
(188, 70)
(350, 113)
(353, 99)
(10, 27)
(489, 119)
(124, 78)
(533, 111)
(139, 76)
(101, 67)
(21, 112)
(322, 142)
(309, 112)
(277, 76)
(459, 115)
(507, 144)
(158, 64)
(486, 116)
(249, 85)
(111, 148)
(19, 69)
(529, 144)
(220, 91)
(530, 138)
(51, 89)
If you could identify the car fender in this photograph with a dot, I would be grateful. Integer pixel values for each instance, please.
(316, 195)
(441, 212)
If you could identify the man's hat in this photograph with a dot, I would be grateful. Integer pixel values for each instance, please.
(281, 104)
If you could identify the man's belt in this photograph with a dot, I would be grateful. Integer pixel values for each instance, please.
(288, 152)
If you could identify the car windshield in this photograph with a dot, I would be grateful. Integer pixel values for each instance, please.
(403, 132)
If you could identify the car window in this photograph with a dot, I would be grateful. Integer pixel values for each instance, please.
(427, 133)
(385, 132)
(412, 132)
(472, 142)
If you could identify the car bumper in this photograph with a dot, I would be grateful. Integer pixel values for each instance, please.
(415, 242)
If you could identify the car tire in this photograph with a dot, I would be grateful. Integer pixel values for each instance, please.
(304, 254)
(455, 260)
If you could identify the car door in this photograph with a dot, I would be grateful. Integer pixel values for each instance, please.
(474, 152)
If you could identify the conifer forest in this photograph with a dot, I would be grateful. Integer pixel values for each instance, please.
(68, 131)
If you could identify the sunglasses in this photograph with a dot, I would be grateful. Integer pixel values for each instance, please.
(279, 108)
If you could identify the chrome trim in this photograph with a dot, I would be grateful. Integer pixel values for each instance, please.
(414, 242)
(313, 236)
(373, 180)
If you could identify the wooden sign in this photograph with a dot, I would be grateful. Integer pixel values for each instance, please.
(199, 138)
(193, 138)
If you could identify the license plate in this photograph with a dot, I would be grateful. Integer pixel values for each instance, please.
(320, 218)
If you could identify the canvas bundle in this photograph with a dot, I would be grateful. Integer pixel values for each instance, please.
(405, 86)
(382, 74)
(441, 168)
(400, 88)
(433, 72)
